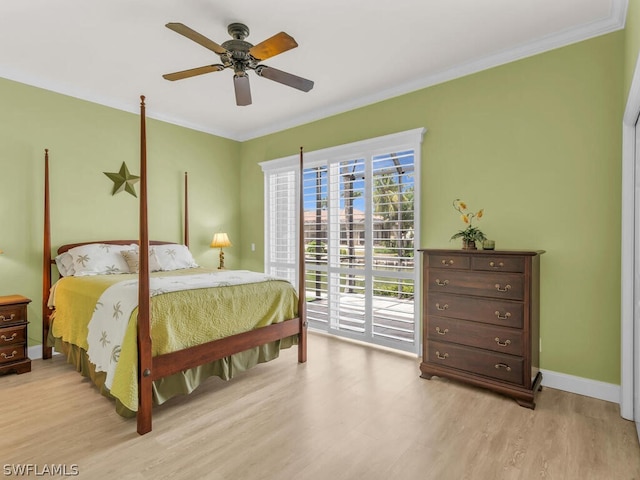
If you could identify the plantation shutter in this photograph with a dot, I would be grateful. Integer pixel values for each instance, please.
(281, 224)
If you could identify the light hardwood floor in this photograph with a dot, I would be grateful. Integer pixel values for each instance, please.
(351, 412)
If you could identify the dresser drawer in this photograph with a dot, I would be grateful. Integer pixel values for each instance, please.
(498, 264)
(12, 314)
(486, 284)
(494, 365)
(12, 353)
(488, 337)
(487, 310)
(11, 335)
(449, 261)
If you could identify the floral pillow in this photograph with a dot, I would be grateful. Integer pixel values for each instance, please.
(132, 258)
(98, 259)
(174, 257)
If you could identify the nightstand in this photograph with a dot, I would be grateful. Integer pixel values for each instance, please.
(13, 334)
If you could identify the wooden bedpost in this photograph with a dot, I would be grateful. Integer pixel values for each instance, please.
(46, 262)
(145, 397)
(302, 300)
(186, 209)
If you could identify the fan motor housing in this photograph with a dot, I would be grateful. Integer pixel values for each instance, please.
(237, 46)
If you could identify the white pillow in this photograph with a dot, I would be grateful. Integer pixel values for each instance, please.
(99, 259)
(64, 262)
(132, 258)
(174, 257)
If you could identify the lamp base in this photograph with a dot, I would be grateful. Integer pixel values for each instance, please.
(221, 265)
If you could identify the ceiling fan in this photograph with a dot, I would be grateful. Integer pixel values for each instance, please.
(242, 56)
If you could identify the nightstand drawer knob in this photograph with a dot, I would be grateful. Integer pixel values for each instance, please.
(442, 332)
(442, 283)
(442, 356)
(447, 263)
(503, 365)
(498, 265)
(506, 288)
(12, 337)
(502, 317)
(506, 343)
(8, 357)
(443, 307)
(5, 319)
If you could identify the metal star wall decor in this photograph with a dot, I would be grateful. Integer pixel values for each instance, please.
(123, 180)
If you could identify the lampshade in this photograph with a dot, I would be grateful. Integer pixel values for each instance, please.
(1, 252)
(220, 240)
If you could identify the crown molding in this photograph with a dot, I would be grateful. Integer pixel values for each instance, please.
(613, 22)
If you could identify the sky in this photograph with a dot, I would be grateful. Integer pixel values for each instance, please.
(380, 164)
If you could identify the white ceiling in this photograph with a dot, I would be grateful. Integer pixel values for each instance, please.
(356, 51)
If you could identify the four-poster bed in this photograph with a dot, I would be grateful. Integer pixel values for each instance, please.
(256, 343)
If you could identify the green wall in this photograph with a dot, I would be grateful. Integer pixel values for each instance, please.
(536, 143)
(85, 139)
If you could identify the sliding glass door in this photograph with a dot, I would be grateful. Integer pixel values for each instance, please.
(360, 237)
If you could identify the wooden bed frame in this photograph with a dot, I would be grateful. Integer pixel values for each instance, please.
(151, 368)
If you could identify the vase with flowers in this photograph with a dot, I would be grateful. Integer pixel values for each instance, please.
(471, 234)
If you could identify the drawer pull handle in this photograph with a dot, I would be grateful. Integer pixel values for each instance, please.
(503, 365)
(442, 356)
(506, 343)
(8, 357)
(502, 317)
(447, 263)
(506, 288)
(5, 319)
(12, 337)
(442, 283)
(442, 332)
(493, 264)
(442, 308)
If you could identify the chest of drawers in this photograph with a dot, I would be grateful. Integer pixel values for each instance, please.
(481, 319)
(13, 334)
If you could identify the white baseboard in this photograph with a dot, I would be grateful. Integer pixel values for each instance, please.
(560, 381)
(582, 386)
(35, 352)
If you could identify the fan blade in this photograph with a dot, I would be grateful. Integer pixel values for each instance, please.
(284, 78)
(280, 42)
(192, 72)
(196, 37)
(243, 92)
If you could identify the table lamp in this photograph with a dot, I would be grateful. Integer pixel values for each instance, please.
(220, 240)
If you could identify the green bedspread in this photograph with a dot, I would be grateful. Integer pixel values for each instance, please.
(178, 320)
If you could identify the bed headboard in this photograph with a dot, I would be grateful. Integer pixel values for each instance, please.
(69, 246)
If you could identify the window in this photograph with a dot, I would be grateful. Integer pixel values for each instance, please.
(361, 215)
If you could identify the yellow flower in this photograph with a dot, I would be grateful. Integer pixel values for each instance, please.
(470, 232)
